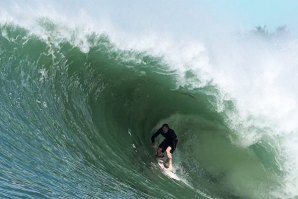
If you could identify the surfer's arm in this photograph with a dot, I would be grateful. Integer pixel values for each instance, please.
(155, 135)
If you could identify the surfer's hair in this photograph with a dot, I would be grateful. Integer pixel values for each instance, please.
(165, 125)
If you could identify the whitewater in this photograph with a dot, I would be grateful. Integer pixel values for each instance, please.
(81, 97)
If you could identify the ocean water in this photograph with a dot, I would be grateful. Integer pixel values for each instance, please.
(78, 107)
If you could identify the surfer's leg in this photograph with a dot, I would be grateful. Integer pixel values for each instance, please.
(169, 155)
(161, 149)
(159, 152)
(168, 151)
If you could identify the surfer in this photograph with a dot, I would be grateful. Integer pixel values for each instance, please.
(168, 145)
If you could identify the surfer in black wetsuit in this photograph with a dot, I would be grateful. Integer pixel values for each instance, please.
(169, 144)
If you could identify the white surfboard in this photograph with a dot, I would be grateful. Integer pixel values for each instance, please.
(166, 171)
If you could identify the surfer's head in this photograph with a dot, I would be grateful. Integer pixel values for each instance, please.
(165, 128)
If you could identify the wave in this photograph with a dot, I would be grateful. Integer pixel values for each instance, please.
(76, 122)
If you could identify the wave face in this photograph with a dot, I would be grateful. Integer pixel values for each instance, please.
(77, 124)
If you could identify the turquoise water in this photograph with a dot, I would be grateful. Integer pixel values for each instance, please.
(77, 124)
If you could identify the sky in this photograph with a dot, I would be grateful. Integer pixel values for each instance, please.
(170, 13)
(182, 17)
(262, 12)
(192, 15)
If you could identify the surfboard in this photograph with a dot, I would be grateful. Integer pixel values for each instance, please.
(166, 171)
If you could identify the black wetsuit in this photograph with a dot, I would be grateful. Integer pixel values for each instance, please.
(170, 139)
